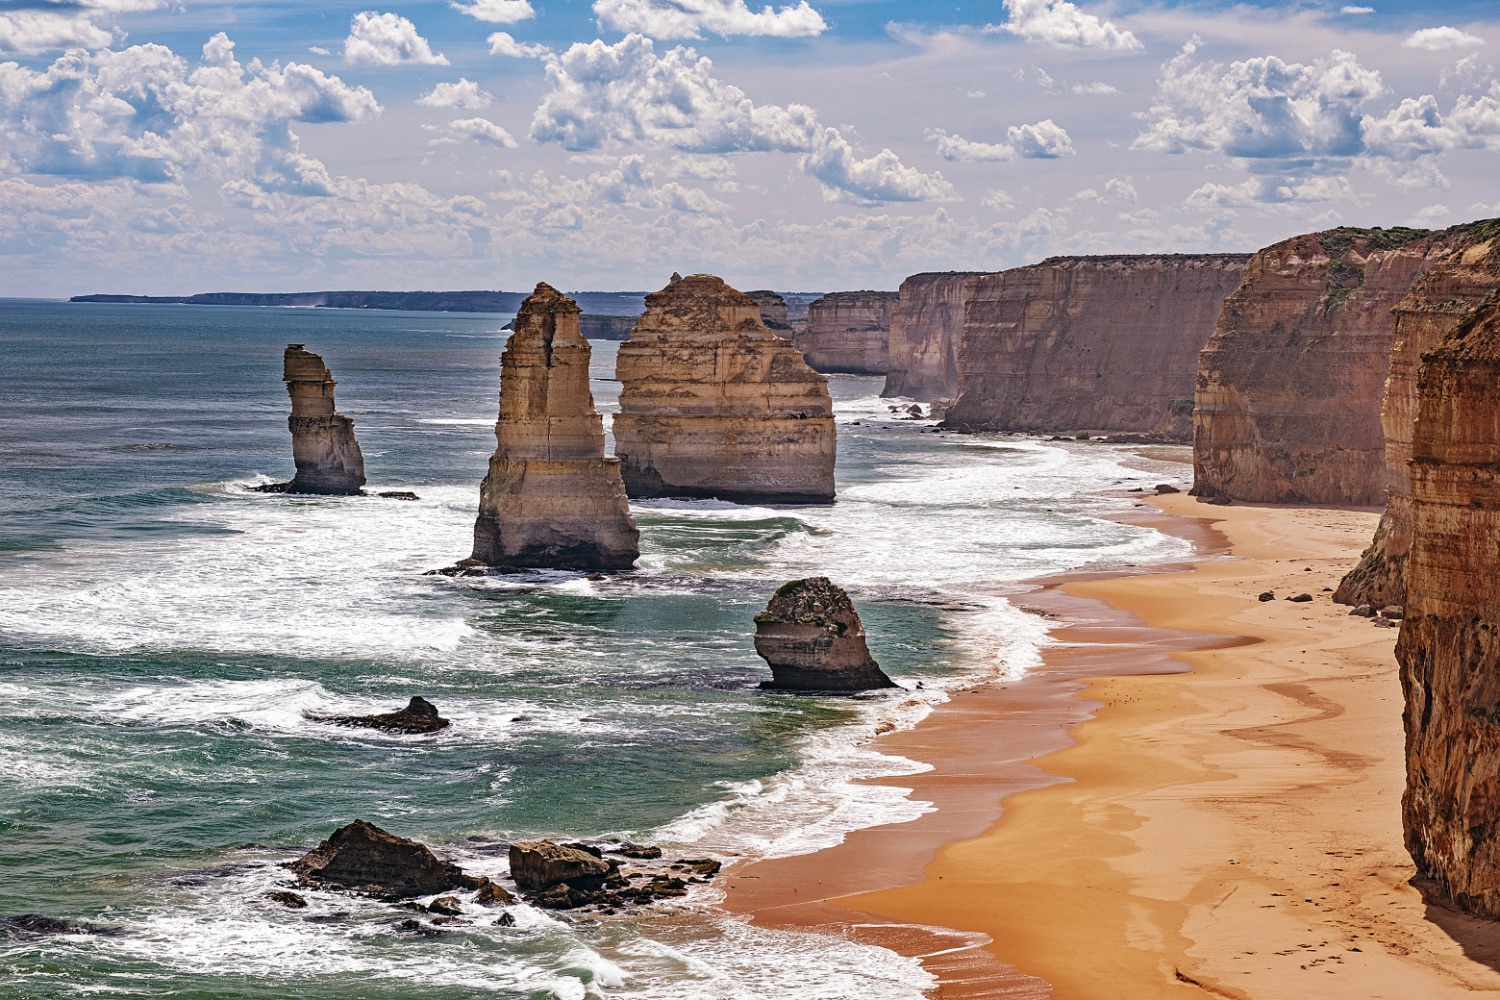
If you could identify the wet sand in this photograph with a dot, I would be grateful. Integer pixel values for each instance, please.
(1198, 792)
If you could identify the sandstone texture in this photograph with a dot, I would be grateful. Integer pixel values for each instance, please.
(848, 332)
(1289, 386)
(551, 498)
(813, 640)
(328, 458)
(1097, 345)
(773, 310)
(363, 857)
(1464, 269)
(713, 404)
(537, 864)
(927, 327)
(1449, 647)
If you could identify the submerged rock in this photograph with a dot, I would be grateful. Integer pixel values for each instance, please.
(419, 716)
(812, 637)
(551, 499)
(541, 864)
(365, 858)
(35, 925)
(328, 458)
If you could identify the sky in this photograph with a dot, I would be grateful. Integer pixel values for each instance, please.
(179, 146)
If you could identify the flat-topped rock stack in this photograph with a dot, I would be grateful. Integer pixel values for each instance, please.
(715, 405)
(848, 332)
(1449, 647)
(1289, 387)
(773, 310)
(551, 498)
(328, 458)
(813, 640)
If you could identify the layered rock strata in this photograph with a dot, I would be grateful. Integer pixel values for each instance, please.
(1464, 269)
(1097, 345)
(1289, 386)
(927, 326)
(1449, 647)
(713, 404)
(773, 311)
(551, 499)
(848, 332)
(813, 640)
(328, 458)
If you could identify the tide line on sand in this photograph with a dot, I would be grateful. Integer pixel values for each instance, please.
(1197, 791)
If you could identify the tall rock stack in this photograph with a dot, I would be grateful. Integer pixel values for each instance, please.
(713, 404)
(813, 640)
(848, 332)
(1465, 268)
(1289, 386)
(1449, 648)
(927, 326)
(551, 499)
(328, 458)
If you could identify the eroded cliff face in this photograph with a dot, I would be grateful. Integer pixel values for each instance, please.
(713, 404)
(551, 498)
(927, 328)
(328, 458)
(848, 332)
(1449, 647)
(1289, 386)
(773, 311)
(1464, 268)
(1104, 345)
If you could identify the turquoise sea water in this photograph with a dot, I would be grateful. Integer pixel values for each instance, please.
(163, 631)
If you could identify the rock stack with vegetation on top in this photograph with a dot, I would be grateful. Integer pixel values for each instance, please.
(813, 640)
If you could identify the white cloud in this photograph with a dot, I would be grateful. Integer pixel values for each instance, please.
(1356, 10)
(1439, 39)
(464, 94)
(502, 44)
(628, 95)
(1061, 23)
(1120, 189)
(1433, 216)
(388, 40)
(483, 130)
(690, 18)
(29, 32)
(497, 11)
(1091, 89)
(1045, 140)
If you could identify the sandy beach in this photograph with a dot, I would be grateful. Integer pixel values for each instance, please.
(1198, 792)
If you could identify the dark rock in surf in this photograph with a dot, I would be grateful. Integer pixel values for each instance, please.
(541, 864)
(419, 716)
(291, 900)
(34, 925)
(365, 858)
(813, 640)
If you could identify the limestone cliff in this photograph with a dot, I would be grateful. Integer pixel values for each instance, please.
(813, 640)
(713, 404)
(848, 332)
(1289, 386)
(1464, 269)
(1090, 344)
(1449, 648)
(773, 311)
(927, 327)
(328, 458)
(551, 499)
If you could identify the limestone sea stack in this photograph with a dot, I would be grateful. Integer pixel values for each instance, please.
(772, 310)
(848, 332)
(328, 458)
(812, 637)
(1289, 386)
(715, 405)
(551, 499)
(1449, 647)
(1465, 268)
(1097, 345)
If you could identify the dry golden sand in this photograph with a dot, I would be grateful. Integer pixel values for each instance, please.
(1231, 831)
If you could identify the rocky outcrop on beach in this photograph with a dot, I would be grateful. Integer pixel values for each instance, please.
(1464, 269)
(419, 716)
(713, 404)
(328, 458)
(848, 332)
(773, 311)
(927, 326)
(538, 864)
(364, 858)
(1097, 345)
(1449, 647)
(1289, 386)
(813, 640)
(551, 498)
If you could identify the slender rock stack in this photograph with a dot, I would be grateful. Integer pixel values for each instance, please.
(551, 499)
(813, 639)
(1449, 648)
(328, 458)
(713, 404)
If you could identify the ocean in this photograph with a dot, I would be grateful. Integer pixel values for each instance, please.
(163, 632)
